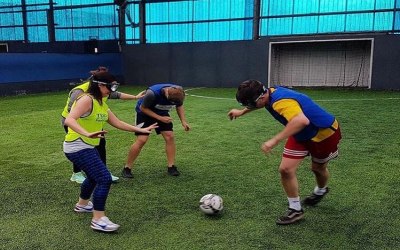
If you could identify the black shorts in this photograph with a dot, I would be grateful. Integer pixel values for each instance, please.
(147, 121)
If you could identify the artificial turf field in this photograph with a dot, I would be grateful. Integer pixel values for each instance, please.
(157, 211)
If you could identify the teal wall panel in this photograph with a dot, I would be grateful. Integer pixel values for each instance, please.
(306, 7)
(279, 26)
(280, 7)
(384, 4)
(200, 20)
(397, 21)
(354, 5)
(332, 6)
(381, 21)
(331, 23)
(304, 25)
(359, 22)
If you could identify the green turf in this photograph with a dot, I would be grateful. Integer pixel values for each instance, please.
(219, 156)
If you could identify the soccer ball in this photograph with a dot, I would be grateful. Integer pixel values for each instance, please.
(211, 204)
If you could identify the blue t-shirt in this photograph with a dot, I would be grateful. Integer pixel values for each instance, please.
(155, 99)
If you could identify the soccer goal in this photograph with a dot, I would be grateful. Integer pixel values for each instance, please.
(321, 63)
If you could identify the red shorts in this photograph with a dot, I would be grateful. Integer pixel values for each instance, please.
(321, 152)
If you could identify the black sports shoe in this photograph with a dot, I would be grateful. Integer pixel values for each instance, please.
(173, 171)
(291, 216)
(127, 173)
(314, 199)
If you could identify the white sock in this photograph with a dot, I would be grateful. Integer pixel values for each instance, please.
(319, 191)
(294, 203)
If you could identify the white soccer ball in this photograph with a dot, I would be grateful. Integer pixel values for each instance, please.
(211, 204)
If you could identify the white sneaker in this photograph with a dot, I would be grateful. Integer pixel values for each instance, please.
(84, 209)
(78, 177)
(104, 224)
(114, 178)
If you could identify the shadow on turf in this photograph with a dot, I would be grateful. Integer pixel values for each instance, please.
(213, 216)
(105, 232)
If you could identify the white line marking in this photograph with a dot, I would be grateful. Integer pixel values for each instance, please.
(361, 99)
(331, 100)
(210, 97)
(207, 97)
(195, 88)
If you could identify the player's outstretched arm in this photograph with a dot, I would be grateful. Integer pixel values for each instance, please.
(125, 96)
(235, 113)
(295, 125)
(117, 123)
(149, 112)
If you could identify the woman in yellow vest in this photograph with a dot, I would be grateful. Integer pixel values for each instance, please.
(85, 129)
(77, 175)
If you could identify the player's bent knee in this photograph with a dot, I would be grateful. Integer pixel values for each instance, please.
(104, 179)
(169, 137)
(286, 172)
(141, 141)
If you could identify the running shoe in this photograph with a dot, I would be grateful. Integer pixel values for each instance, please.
(291, 216)
(78, 177)
(314, 199)
(114, 178)
(173, 171)
(84, 209)
(104, 224)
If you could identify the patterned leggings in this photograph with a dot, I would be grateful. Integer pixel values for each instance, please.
(98, 179)
(101, 148)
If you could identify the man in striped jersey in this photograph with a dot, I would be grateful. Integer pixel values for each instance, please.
(309, 130)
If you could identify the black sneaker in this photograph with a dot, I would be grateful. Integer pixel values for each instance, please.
(291, 216)
(173, 171)
(127, 173)
(314, 199)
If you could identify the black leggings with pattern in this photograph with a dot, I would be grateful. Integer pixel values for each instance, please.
(101, 148)
(98, 178)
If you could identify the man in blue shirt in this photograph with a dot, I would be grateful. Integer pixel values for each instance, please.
(154, 107)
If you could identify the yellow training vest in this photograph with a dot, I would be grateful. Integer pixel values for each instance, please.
(92, 123)
(84, 87)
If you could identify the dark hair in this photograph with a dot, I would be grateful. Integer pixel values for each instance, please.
(99, 69)
(102, 77)
(248, 91)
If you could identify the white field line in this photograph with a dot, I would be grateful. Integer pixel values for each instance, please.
(328, 100)
(207, 97)
(210, 97)
(360, 99)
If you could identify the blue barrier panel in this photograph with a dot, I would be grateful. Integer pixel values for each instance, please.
(36, 67)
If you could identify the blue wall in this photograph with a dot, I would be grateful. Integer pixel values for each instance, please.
(32, 67)
(23, 73)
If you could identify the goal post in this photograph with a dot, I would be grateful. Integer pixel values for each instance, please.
(321, 63)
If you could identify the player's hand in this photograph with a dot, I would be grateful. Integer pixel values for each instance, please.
(149, 128)
(98, 134)
(234, 113)
(186, 126)
(267, 146)
(141, 94)
(165, 119)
